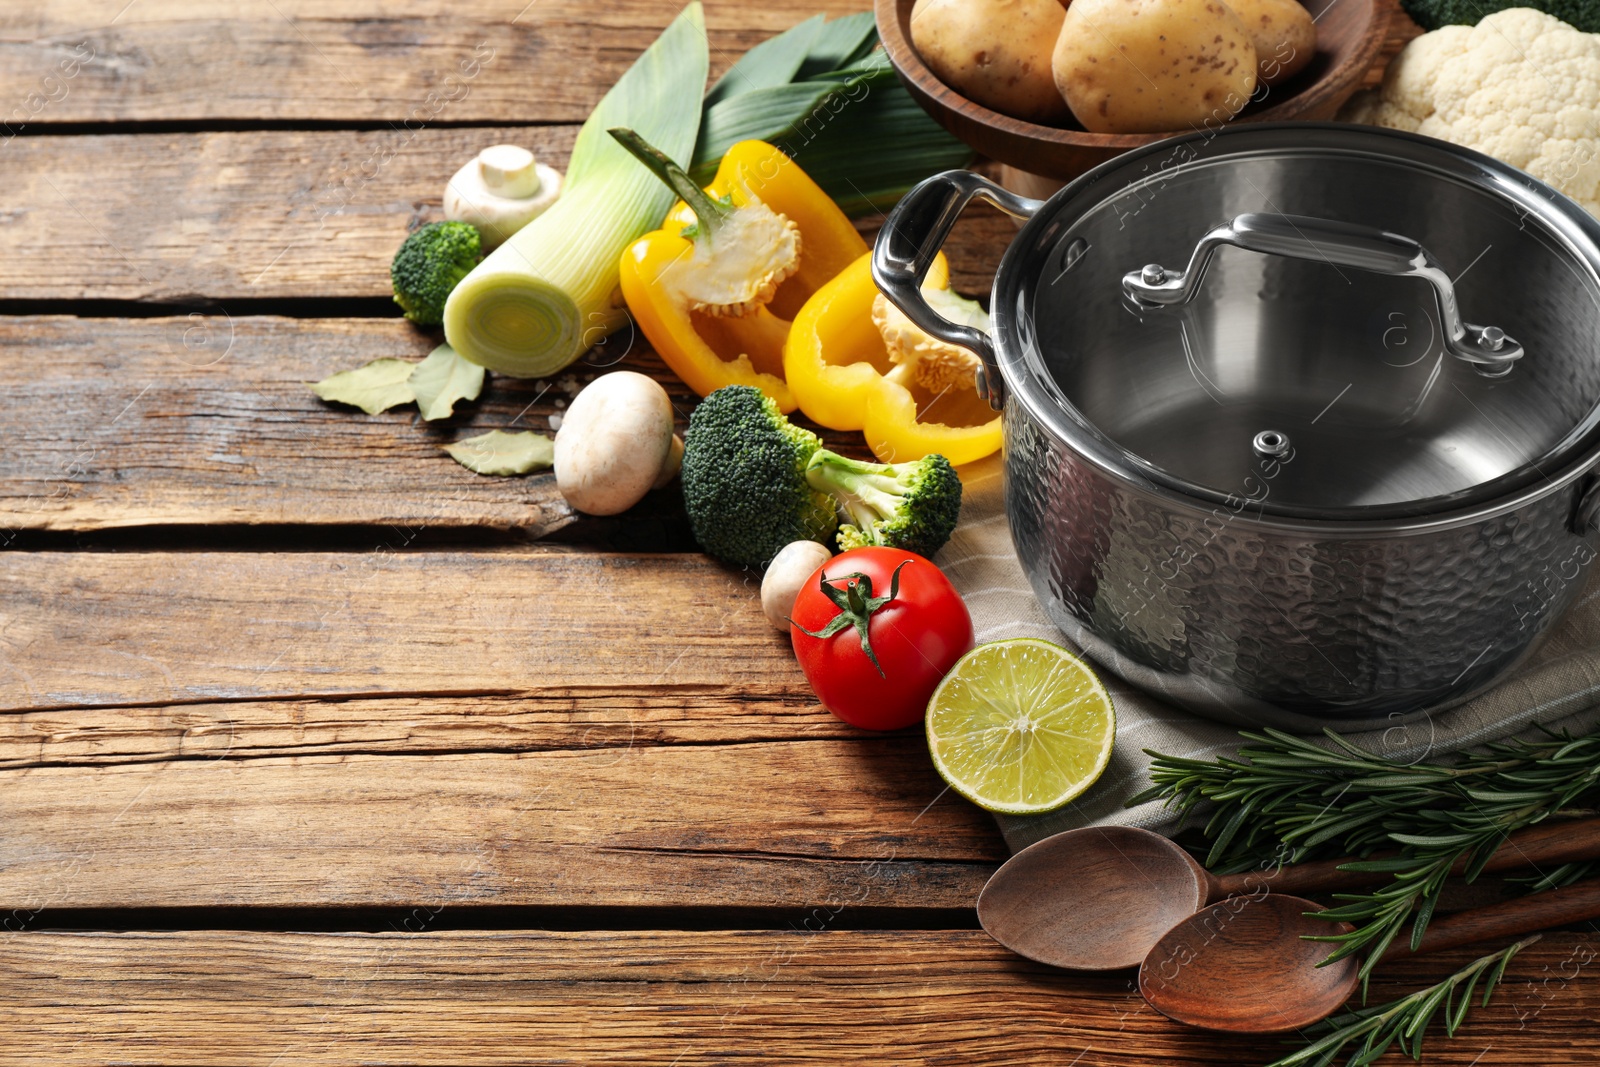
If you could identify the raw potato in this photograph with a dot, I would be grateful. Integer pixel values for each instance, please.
(1153, 66)
(1284, 35)
(994, 52)
(614, 440)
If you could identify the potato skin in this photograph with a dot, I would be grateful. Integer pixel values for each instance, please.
(1284, 35)
(994, 52)
(1153, 66)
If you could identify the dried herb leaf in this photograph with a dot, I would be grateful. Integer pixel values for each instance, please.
(497, 452)
(442, 379)
(377, 386)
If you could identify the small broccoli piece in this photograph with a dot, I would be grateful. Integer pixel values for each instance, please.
(1431, 14)
(430, 263)
(744, 479)
(913, 506)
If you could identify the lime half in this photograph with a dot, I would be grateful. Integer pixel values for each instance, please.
(1020, 727)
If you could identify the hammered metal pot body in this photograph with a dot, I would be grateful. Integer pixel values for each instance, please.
(1246, 623)
(1421, 519)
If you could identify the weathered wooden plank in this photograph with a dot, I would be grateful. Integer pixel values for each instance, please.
(264, 214)
(774, 824)
(225, 215)
(576, 718)
(349, 60)
(117, 629)
(127, 422)
(811, 995)
(533, 726)
(208, 420)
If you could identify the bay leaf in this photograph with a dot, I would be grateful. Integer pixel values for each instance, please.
(374, 387)
(498, 452)
(442, 379)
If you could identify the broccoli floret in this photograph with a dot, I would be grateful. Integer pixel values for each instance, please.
(744, 479)
(913, 506)
(1431, 14)
(430, 263)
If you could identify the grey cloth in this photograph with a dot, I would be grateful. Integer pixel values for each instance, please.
(1559, 685)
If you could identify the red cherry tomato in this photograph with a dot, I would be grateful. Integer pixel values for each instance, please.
(917, 636)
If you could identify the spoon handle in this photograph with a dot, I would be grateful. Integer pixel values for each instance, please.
(1548, 842)
(1525, 915)
(1311, 877)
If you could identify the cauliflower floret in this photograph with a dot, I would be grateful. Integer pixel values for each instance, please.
(933, 364)
(1521, 86)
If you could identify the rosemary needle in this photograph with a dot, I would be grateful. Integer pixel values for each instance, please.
(1405, 1020)
(1290, 798)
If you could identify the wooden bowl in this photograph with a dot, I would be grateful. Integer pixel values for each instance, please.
(1349, 35)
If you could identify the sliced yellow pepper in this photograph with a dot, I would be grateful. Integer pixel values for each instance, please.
(709, 353)
(835, 362)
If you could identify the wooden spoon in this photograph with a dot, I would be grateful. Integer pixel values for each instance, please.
(1242, 966)
(1099, 898)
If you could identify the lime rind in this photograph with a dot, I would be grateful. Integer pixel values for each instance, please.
(1020, 727)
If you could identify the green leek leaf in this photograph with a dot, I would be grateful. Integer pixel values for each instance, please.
(760, 115)
(857, 133)
(774, 61)
(842, 42)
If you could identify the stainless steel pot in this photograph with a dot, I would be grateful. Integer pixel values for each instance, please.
(1300, 420)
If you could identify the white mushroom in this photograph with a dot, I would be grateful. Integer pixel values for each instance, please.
(674, 462)
(786, 575)
(500, 191)
(615, 439)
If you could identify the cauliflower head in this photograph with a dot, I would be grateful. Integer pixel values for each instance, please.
(1521, 86)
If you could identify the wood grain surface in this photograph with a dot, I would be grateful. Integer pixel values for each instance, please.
(390, 712)
(116, 629)
(808, 995)
(206, 218)
(758, 825)
(394, 728)
(482, 61)
(207, 420)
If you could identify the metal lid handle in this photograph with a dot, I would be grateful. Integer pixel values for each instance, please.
(1341, 244)
(910, 239)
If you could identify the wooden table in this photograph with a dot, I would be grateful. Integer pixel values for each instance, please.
(318, 748)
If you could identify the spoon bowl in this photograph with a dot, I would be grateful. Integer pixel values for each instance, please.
(1094, 899)
(1243, 965)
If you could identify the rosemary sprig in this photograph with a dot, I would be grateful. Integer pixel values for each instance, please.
(1289, 797)
(1405, 1020)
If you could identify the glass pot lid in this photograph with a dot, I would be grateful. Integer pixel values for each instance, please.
(1327, 332)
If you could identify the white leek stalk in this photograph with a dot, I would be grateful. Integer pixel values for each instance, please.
(544, 297)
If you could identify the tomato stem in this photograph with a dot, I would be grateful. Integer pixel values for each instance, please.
(856, 605)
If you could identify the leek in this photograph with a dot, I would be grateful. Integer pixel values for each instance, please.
(537, 302)
(827, 96)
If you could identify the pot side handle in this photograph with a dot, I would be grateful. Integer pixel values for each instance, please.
(1340, 244)
(910, 239)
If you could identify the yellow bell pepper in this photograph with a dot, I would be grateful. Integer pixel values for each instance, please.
(708, 352)
(836, 364)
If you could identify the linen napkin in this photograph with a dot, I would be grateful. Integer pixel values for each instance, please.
(1559, 686)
